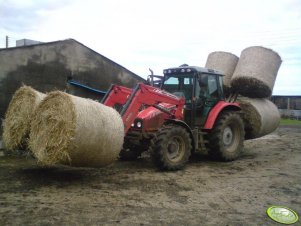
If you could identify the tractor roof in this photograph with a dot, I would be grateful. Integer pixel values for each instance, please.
(182, 69)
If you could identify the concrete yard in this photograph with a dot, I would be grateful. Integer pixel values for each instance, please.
(136, 193)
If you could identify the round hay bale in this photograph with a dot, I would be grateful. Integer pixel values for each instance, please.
(256, 72)
(225, 62)
(18, 116)
(75, 131)
(261, 116)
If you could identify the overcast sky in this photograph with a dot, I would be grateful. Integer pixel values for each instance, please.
(157, 34)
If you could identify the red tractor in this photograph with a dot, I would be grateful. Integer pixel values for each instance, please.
(187, 114)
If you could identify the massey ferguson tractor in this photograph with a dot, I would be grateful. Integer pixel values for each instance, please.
(187, 114)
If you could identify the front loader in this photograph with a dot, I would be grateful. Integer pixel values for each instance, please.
(187, 114)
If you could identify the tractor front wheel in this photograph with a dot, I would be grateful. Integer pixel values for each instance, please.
(129, 152)
(227, 136)
(171, 147)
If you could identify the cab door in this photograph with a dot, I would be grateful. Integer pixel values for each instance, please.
(207, 96)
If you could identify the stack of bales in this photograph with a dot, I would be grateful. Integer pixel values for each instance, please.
(18, 117)
(225, 62)
(254, 78)
(60, 128)
(75, 131)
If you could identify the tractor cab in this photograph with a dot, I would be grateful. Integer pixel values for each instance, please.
(202, 89)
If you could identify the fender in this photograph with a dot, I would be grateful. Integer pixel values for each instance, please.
(217, 109)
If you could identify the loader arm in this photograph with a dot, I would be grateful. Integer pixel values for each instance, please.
(144, 95)
(116, 95)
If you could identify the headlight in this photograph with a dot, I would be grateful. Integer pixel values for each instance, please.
(139, 124)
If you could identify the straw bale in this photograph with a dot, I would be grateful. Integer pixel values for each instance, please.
(18, 116)
(75, 131)
(256, 72)
(225, 62)
(261, 116)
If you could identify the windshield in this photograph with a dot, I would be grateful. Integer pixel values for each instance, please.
(179, 85)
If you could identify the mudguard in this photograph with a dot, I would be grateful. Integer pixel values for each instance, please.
(217, 109)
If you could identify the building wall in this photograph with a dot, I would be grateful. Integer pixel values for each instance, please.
(289, 106)
(287, 102)
(293, 114)
(46, 67)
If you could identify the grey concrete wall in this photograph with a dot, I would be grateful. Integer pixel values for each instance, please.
(293, 114)
(47, 66)
(287, 102)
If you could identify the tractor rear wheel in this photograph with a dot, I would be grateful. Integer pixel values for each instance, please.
(171, 147)
(227, 136)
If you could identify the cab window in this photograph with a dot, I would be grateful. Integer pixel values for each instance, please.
(208, 86)
(179, 85)
(212, 86)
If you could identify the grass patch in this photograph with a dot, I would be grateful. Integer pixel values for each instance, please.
(289, 122)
